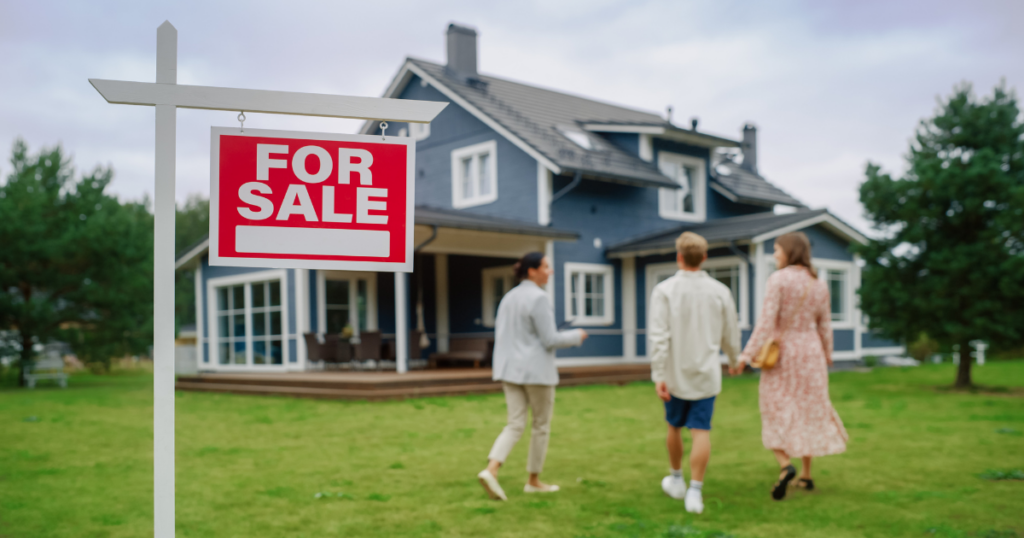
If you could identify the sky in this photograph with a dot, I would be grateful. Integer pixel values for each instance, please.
(830, 85)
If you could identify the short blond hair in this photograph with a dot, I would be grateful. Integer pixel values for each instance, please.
(693, 248)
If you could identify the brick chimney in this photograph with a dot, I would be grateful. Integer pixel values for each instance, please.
(461, 52)
(749, 147)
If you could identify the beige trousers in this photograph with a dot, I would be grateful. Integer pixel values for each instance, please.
(518, 398)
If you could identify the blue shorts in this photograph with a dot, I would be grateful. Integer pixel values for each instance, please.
(692, 414)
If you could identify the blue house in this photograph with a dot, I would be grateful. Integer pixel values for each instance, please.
(507, 168)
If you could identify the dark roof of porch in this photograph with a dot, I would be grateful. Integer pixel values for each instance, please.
(717, 231)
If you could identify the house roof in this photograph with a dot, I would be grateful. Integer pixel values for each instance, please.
(535, 119)
(747, 228)
(744, 186)
(428, 216)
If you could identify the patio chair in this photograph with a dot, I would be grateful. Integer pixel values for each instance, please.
(369, 348)
(49, 366)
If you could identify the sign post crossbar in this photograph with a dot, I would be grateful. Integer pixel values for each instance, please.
(166, 96)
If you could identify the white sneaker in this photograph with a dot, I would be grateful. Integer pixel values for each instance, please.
(673, 487)
(547, 488)
(491, 485)
(694, 501)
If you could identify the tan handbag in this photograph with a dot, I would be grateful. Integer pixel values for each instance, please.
(768, 357)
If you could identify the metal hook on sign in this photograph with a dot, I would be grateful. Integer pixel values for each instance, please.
(241, 120)
(383, 127)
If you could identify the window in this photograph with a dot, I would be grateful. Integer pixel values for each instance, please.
(249, 320)
(836, 280)
(348, 299)
(419, 131)
(730, 276)
(589, 297)
(497, 281)
(475, 175)
(687, 202)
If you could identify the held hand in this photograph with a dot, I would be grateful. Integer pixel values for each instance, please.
(583, 335)
(738, 369)
(662, 390)
(828, 361)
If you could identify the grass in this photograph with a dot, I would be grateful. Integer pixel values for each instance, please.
(78, 463)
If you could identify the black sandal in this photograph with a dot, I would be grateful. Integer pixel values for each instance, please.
(805, 484)
(779, 491)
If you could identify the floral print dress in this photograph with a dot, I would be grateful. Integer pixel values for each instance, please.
(797, 416)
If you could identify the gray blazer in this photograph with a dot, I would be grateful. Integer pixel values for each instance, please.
(525, 337)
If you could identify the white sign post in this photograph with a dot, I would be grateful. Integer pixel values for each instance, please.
(167, 95)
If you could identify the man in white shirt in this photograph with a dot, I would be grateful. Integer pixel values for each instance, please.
(692, 319)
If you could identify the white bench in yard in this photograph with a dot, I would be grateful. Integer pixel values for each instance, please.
(49, 366)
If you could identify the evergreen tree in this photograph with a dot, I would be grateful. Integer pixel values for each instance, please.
(950, 260)
(75, 263)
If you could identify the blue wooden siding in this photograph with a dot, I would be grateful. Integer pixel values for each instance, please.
(871, 340)
(843, 339)
(629, 142)
(824, 244)
(456, 128)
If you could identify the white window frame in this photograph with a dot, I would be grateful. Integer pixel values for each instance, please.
(505, 272)
(667, 197)
(849, 291)
(419, 131)
(653, 270)
(248, 279)
(352, 277)
(475, 151)
(608, 271)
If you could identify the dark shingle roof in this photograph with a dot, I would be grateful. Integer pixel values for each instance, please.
(535, 116)
(716, 231)
(749, 187)
(447, 218)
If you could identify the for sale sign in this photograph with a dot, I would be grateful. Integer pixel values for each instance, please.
(311, 200)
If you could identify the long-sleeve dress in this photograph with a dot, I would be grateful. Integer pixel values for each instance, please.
(797, 416)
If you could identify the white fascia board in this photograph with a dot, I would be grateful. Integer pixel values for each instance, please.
(478, 114)
(394, 89)
(825, 218)
(269, 102)
(191, 255)
(724, 192)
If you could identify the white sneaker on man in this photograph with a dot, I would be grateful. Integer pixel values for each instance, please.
(694, 501)
(674, 487)
(491, 485)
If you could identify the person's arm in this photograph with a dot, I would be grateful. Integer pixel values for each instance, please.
(824, 318)
(766, 322)
(660, 338)
(544, 323)
(730, 332)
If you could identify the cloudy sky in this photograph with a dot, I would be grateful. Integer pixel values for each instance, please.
(830, 85)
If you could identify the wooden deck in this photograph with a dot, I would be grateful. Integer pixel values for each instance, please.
(393, 386)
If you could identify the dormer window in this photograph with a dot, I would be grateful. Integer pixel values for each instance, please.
(687, 202)
(579, 138)
(475, 175)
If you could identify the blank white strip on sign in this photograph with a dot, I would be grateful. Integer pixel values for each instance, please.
(313, 241)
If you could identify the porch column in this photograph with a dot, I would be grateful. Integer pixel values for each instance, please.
(441, 293)
(629, 308)
(401, 324)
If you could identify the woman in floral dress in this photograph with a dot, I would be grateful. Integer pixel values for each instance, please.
(797, 417)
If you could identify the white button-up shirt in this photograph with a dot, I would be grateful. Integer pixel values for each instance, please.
(525, 337)
(692, 319)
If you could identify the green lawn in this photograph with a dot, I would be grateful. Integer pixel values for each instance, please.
(77, 463)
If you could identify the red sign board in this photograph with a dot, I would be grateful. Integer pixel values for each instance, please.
(311, 200)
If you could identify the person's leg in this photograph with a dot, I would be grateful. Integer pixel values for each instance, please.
(700, 453)
(782, 458)
(674, 443)
(805, 471)
(542, 404)
(516, 403)
(786, 473)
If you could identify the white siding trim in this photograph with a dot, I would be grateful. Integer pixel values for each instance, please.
(487, 292)
(743, 314)
(825, 218)
(198, 283)
(301, 315)
(699, 188)
(549, 253)
(849, 293)
(646, 147)
(544, 193)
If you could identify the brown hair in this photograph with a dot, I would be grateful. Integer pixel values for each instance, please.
(530, 260)
(693, 248)
(798, 250)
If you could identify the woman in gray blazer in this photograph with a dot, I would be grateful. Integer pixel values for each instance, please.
(525, 340)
